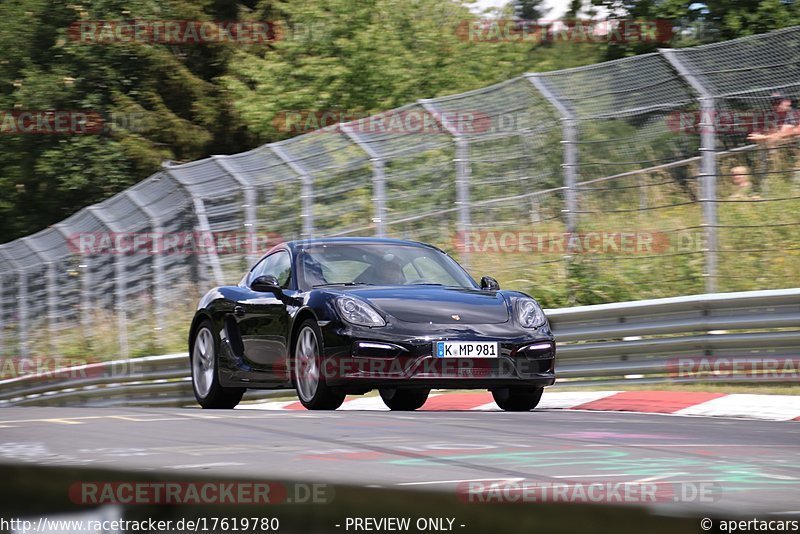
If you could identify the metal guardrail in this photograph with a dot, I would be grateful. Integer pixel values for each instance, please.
(681, 339)
(147, 381)
(642, 342)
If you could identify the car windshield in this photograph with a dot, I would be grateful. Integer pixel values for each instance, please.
(378, 264)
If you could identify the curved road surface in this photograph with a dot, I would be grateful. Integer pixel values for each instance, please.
(751, 466)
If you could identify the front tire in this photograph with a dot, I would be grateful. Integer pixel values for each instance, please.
(404, 400)
(309, 378)
(205, 379)
(517, 399)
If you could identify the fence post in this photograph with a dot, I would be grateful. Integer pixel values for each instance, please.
(51, 289)
(205, 230)
(708, 165)
(463, 172)
(120, 284)
(202, 224)
(378, 179)
(2, 317)
(159, 280)
(569, 125)
(22, 305)
(569, 140)
(120, 268)
(250, 204)
(52, 305)
(85, 268)
(307, 192)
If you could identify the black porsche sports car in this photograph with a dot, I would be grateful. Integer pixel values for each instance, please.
(339, 316)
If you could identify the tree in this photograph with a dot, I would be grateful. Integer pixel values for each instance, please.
(529, 9)
(155, 102)
(160, 102)
(366, 57)
(711, 21)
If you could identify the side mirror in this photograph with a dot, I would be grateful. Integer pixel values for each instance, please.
(266, 284)
(489, 284)
(269, 284)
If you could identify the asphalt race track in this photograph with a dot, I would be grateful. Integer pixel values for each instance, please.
(752, 464)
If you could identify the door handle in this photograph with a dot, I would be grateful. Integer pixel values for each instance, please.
(238, 311)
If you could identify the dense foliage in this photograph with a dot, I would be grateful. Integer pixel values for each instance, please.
(182, 102)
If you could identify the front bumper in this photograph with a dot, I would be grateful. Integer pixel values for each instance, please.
(404, 357)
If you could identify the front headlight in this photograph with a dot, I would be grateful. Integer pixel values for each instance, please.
(529, 314)
(356, 311)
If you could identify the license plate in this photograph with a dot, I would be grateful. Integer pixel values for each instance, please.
(466, 349)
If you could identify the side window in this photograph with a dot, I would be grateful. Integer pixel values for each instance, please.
(278, 265)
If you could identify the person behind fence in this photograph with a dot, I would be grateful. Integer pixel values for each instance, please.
(742, 186)
(783, 123)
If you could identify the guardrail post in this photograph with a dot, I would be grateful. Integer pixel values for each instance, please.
(463, 171)
(378, 179)
(307, 191)
(708, 165)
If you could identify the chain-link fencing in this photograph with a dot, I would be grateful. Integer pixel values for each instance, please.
(658, 175)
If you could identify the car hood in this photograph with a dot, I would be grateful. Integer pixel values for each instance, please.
(438, 305)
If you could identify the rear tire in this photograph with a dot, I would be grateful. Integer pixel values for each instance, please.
(517, 399)
(404, 400)
(308, 373)
(205, 379)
